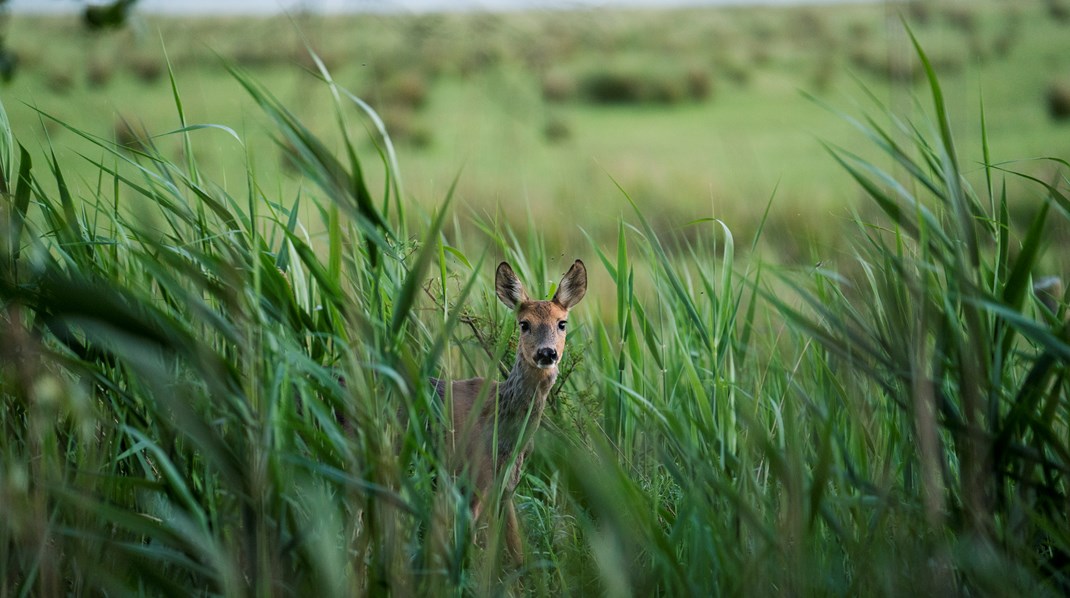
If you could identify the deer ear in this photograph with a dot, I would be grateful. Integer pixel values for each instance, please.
(573, 286)
(508, 286)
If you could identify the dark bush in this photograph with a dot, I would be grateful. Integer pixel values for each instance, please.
(98, 73)
(112, 15)
(611, 87)
(129, 135)
(9, 64)
(738, 72)
(920, 11)
(289, 165)
(899, 67)
(620, 85)
(1009, 36)
(962, 17)
(59, 82)
(556, 130)
(409, 89)
(1059, 10)
(896, 68)
(1059, 99)
(405, 128)
(405, 90)
(699, 84)
(825, 70)
(262, 56)
(146, 69)
(481, 59)
(665, 90)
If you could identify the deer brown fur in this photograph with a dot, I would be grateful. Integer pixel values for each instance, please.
(493, 421)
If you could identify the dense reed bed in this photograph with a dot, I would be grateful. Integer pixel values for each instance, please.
(210, 393)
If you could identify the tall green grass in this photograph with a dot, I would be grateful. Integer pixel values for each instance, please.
(210, 393)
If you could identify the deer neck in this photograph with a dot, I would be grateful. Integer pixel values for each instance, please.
(521, 400)
(525, 390)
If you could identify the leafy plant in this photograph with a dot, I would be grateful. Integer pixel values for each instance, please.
(964, 359)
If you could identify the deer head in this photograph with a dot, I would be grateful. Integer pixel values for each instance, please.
(542, 323)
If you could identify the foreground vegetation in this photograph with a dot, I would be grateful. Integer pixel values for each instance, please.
(199, 395)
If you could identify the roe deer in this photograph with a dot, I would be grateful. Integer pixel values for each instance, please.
(493, 420)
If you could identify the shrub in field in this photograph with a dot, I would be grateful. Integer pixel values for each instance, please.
(1058, 99)
(1010, 35)
(481, 58)
(130, 136)
(405, 90)
(825, 71)
(902, 66)
(613, 87)
(920, 11)
(1059, 10)
(147, 69)
(556, 130)
(961, 16)
(895, 67)
(558, 86)
(98, 73)
(263, 54)
(807, 27)
(406, 127)
(699, 84)
(760, 55)
(624, 84)
(737, 70)
(59, 81)
(9, 64)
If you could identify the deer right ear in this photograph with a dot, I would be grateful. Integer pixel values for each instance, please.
(508, 286)
(573, 286)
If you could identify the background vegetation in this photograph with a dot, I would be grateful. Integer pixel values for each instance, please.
(697, 112)
(216, 338)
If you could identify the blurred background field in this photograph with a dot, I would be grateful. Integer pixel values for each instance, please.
(696, 113)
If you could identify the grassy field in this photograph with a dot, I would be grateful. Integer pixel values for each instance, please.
(215, 344)
(505, 100)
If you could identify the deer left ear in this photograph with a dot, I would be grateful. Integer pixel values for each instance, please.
(573, 286)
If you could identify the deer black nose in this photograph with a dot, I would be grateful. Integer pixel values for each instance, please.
(546, 356)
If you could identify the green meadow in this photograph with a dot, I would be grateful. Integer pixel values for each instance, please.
(825, 351)
(702, 113)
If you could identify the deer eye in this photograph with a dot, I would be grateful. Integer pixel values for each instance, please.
(524, 326)
(561, 325)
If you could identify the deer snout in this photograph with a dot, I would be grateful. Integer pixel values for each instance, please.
(546, 357)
